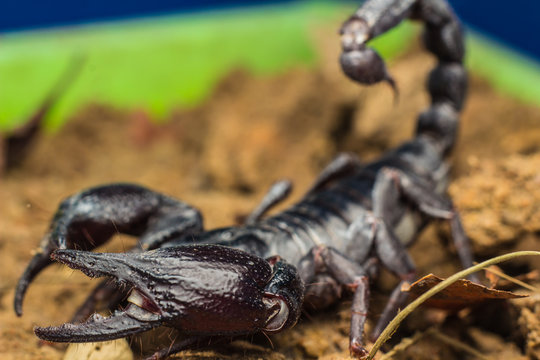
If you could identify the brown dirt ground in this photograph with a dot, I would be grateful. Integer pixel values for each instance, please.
(222, 156)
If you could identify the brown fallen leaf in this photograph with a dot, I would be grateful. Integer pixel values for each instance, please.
(461, 294)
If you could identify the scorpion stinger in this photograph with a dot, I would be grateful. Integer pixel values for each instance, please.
(359, 62)
(363, 64)
(199, 290)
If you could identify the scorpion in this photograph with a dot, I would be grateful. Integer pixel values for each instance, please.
(257, 276)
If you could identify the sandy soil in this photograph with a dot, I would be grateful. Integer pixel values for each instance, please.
(222, 156)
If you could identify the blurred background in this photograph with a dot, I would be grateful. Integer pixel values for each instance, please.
(164, 54)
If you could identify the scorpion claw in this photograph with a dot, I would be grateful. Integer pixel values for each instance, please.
(40, 261)
(98, 328)
(140, 315)
(198, 289)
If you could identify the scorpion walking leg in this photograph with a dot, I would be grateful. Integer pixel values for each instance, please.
(394, 257)
(328, 264)
(433, 205)
(389, 186)
(350, 274)
(390, 250)
(342, 165)
(278, 192)
(88, 219)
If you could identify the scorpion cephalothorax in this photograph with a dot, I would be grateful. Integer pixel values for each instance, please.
(355, 218)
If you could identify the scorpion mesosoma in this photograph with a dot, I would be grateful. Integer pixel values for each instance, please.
(257, 276)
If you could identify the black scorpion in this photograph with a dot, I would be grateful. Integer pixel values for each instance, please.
(257, 276)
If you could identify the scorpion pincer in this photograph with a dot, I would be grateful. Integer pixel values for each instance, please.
(257, 276)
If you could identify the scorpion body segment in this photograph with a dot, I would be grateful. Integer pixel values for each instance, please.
(355, 218)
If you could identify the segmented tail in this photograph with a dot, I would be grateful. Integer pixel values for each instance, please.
(443, 37)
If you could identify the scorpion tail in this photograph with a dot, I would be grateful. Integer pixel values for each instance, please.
(443, 37)
(447, 82)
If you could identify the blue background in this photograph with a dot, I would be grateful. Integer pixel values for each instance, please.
(514, 23)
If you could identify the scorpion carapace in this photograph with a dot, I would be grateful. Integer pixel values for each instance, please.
(249, 278)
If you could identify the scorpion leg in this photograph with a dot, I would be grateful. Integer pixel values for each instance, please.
(323, 260)
(322, 289)
(352, 275)
(431, 204)
(88, 219)
(342, 165)
(394, 256)
(390, 185)
(328, 264)
(388, 247)
(278, 192)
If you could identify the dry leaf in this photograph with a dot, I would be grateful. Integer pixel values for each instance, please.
(459, 295)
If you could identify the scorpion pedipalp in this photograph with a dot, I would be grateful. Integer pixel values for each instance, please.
(198, 290)
(87, 220)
